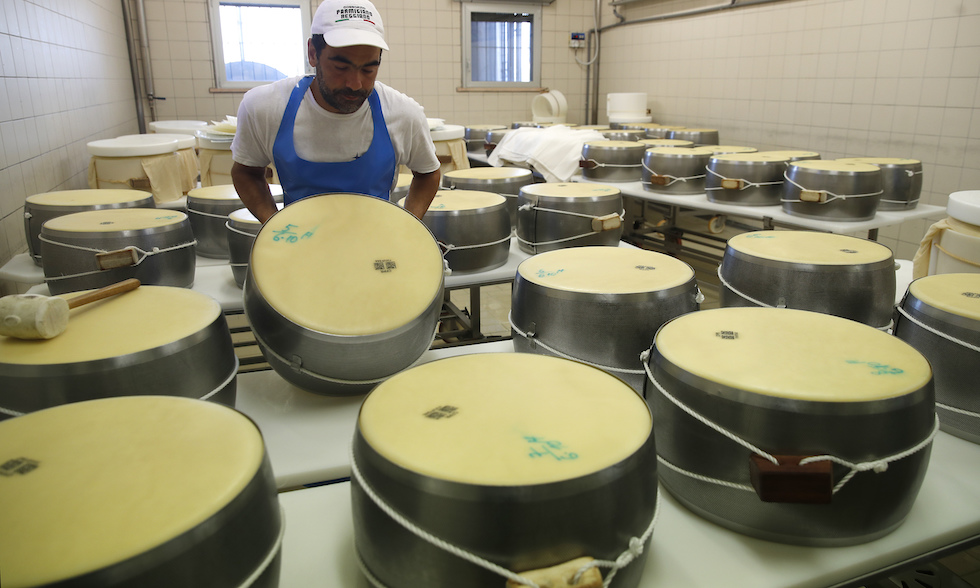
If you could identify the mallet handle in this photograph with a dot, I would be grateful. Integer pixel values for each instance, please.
(110, 290)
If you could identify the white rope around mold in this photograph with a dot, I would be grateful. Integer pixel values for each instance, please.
(565, 355)
(832, 195)
(877, 465)
(746, 184)
(634, 549)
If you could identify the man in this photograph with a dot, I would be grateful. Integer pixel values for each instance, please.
(337, 131)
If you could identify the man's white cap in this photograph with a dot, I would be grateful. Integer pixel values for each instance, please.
(349, 22)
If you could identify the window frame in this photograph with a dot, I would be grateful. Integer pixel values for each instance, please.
(218, 61)
(468, 8)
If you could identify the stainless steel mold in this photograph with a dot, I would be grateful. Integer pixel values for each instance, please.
(552, 216)
(831, 190)
(804, 277)
(161, 255)
(612, 161)
(927, 327)
(869, 506)
(39, 208)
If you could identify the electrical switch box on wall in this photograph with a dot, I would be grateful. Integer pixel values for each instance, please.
(577, 41)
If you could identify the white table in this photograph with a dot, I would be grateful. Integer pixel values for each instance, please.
(687, 551)
(774, 215)
(308, 435)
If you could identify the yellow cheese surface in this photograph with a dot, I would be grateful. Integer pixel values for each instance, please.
(570, 190)
(615, 144)
(465, 200)
(750, 157)
(605, 270)
(852, 167)
(219, 192)
(113, 220)
(809, 247)
(682, 151)
(793, 354)
(347, 265)
(144, 318)
(720, 149)
(88, 197)
(488, 173)
(504, 419)
(666, 143)
(880, 161)
(404, 180)
(113, 479)
(955, 293)
(794, 154)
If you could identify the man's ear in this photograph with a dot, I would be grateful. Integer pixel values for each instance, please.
(311, 52)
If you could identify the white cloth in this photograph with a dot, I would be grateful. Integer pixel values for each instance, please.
(321, 135)
(553, 151)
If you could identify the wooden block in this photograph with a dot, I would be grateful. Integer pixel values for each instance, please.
(608, 222)
(113, 259)
(730, 184)
(791, 482)
(659, 180)
(560, 576)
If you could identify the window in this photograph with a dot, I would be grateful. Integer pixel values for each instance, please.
(258, 41)
(501, 45)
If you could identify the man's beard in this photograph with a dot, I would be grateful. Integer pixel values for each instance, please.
(338, 98)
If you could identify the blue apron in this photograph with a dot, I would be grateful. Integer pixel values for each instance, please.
(372, 173)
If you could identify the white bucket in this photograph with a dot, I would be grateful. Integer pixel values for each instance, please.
(549, 107)
(627, 107)
(957, 247)
(138, 162)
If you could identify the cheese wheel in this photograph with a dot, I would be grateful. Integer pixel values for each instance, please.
(570, 190)
(882, 161)
(612, 144)
(88, 197)
(447, 200)
(793, 354)
(226, 192)
(115, 220)
(762, 157)
(809, 247)
(666, 143)
(958, 294)
(793, 154)
(330, 263)
(605, 270)
(519, 419)
(114, 478)
(144, 318)
(853, 167)
(721, 149)
(488, 173)
(684, 151)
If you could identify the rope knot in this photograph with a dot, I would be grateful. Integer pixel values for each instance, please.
(644, 355)
(879, 467)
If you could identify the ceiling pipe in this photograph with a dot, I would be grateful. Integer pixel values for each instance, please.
(147, 68)
(133, 66)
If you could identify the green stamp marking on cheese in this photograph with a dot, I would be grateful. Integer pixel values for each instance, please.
(879, 369)
(542, 447)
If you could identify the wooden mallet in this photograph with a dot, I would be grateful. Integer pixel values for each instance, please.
(34, 316)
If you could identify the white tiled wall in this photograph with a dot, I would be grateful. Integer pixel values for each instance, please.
(64, 81)
(424, 61)
(895, 78)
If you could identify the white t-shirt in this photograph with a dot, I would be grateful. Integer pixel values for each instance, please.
(315, 135)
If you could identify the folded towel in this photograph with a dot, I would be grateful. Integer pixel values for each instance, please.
(553, 151)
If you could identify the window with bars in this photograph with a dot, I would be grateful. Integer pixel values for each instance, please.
(501, 45)
(257, 42)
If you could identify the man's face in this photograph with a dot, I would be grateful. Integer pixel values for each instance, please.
(344, 76)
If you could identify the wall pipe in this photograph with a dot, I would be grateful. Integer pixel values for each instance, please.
(147, 68)
(659, 17)
(133, 67)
